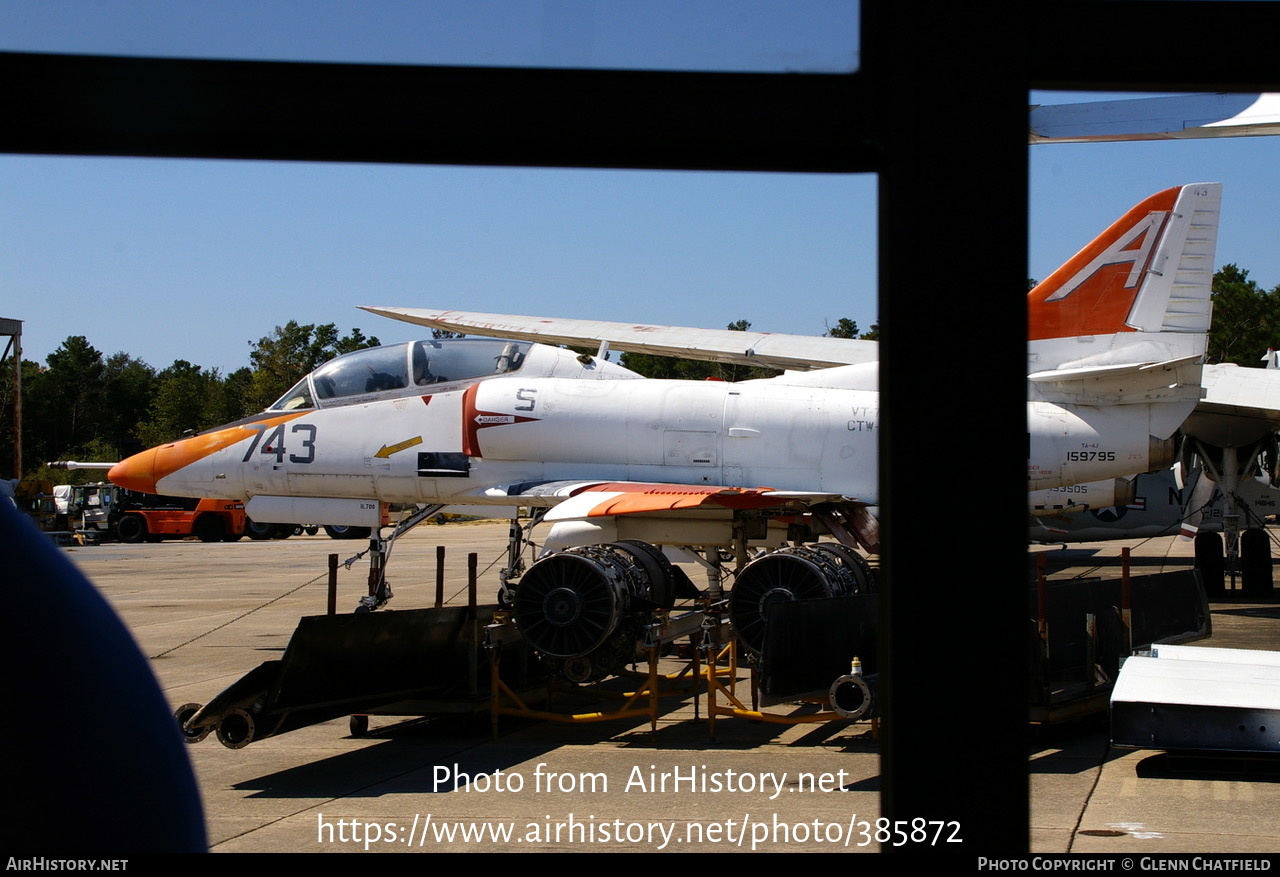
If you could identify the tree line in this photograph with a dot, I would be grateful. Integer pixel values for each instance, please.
(83, 405)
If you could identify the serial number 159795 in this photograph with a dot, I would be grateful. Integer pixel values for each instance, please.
(1090, 456)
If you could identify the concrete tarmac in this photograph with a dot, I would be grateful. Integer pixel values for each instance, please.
(206, 614)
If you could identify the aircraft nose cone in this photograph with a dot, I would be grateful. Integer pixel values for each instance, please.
(136, 473)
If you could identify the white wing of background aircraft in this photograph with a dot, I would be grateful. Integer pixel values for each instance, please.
(1183, 117)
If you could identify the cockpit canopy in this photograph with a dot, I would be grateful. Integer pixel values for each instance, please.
(414, 368)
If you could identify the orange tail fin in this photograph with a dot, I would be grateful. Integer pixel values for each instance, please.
(1150, 271)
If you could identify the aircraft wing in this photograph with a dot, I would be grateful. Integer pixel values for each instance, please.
(846, 518)
(1122, 383)
(794, 352)
(1184, 117)
(589, 499)
(629, 498)
(1239, 405)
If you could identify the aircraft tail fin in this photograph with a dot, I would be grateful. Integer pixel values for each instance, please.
(1139, 292)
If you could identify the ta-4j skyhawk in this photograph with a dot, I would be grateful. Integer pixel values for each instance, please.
(620, 464)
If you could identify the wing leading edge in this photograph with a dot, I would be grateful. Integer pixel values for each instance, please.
(1184, 117)
(794, 352)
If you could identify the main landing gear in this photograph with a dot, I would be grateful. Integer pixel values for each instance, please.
(1247, 555)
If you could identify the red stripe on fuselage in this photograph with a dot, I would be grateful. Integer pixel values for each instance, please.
(474, 420)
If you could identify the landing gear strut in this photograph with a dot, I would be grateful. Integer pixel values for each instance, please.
(379, 551)
(1244, 546)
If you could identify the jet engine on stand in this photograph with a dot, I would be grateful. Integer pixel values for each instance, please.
(803, 572)
(583, 609)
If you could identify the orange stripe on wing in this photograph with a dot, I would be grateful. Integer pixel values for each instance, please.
(636, 498)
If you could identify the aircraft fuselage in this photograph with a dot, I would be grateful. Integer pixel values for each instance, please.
(492, 440)
(462, 446)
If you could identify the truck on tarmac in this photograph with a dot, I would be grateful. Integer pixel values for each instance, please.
(144, 517)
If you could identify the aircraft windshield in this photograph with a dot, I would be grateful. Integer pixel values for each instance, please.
(365, 371)
(402, 370)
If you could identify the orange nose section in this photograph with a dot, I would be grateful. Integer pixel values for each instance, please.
(136, 473)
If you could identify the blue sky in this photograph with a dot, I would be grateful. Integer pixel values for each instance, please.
(169, 259)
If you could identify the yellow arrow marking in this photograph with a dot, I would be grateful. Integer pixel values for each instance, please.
(388, 450)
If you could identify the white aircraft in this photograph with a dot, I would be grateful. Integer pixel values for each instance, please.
(1222, 491)
(621, 463)
(1081, 351)
(1160, 504)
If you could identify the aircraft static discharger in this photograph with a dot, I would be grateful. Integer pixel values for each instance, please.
(621, 464)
